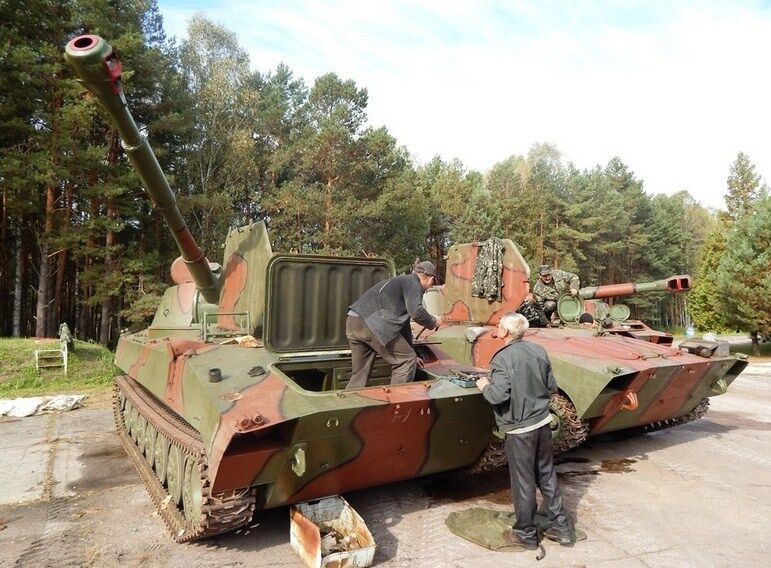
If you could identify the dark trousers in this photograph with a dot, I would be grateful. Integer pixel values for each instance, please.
(365, 347)
(531, 464)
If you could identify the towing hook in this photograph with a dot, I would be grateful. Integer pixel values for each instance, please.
(629, 401)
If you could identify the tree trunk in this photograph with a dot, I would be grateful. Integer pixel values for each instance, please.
(44, 290)
(41, 308)
(56, 307)
(6, 266)
(109, 242)
(17, 291)
(755, 343)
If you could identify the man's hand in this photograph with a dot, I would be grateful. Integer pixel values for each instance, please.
(482, 382)
(439, 321)
(573, 292)
(420, 363)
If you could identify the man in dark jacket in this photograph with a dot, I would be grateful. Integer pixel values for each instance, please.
(520, 386)
(379, 324)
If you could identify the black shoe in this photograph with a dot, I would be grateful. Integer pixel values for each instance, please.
(565, 538)
(515, 540)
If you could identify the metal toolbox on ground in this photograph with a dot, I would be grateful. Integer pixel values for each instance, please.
(329, 532)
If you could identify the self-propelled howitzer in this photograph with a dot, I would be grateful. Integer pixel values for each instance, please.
(613, 374)
(238, 402)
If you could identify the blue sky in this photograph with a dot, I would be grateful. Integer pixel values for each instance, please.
(675, 89)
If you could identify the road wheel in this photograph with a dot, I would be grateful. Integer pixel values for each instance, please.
(141, 426)
(133, 420)
(192, 497)
(161, 459)
(127, 416)
(567, 429)
(175, 473)
(150, 435)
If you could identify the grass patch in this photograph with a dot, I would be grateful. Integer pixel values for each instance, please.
(90, 369)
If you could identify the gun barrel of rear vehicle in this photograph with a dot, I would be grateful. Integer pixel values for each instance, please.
(673, 284)
(99, 69)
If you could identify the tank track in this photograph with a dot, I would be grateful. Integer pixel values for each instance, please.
(219, 512)
(574, 432)
(697, 412)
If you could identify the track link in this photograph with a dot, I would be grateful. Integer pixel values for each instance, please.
(220, 512)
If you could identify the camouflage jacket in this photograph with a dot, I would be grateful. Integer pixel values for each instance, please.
(534, 314)
(561, 282)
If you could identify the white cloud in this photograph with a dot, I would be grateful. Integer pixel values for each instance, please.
(676, 92)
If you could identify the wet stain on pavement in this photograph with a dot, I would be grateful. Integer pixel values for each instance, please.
(104, 465)
(622, 465)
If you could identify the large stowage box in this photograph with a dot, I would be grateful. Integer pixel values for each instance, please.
(310, 520)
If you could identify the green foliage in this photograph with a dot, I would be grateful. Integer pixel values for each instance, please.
(90, 369)
(744, 273)
(704, 301)
(744, 187)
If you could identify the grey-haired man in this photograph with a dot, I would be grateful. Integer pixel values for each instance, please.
(379, 324)
(520, 386)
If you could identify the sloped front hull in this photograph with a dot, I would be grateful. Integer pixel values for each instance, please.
(614, 382)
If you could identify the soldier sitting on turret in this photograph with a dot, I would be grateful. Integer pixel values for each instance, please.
(551, 285)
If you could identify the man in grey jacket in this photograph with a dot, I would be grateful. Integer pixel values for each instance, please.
(520, 386)
(379, 324)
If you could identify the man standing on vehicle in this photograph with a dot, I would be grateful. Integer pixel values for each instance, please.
(379, 324)
(551, 285)
(520, 386)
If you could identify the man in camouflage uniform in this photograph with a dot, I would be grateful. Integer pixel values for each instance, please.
(551, 285)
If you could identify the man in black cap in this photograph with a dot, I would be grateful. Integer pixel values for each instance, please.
(551, 285)
(379, 324)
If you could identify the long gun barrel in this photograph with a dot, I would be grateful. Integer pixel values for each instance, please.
(99, 69)
(681, 283)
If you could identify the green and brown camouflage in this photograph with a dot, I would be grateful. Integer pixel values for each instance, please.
(615, 375)
(234, 399)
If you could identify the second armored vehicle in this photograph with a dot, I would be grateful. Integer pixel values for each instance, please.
(613, 375)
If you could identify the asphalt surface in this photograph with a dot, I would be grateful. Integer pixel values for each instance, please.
(695, 495)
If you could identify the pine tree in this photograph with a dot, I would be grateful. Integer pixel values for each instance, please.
(744, 273)
(744, 187)
(704, 305)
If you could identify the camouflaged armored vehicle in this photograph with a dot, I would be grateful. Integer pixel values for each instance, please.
(614, 374)
(233, 399)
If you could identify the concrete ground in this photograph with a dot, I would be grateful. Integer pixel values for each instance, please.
(695, 495)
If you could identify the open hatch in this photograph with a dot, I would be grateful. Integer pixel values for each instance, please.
(307, 299)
